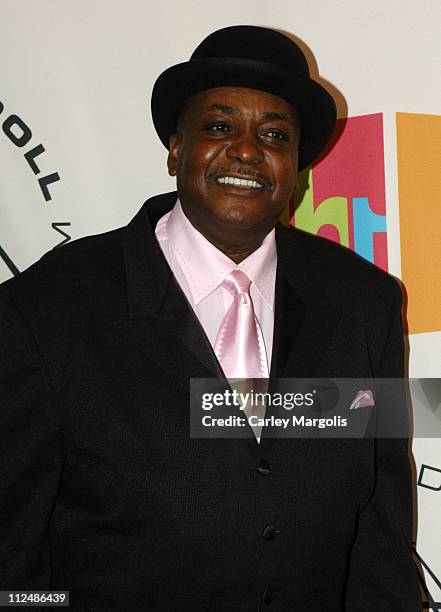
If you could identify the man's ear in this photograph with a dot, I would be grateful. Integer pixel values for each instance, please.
(173, 154)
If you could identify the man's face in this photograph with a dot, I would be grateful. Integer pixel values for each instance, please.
(229, 134)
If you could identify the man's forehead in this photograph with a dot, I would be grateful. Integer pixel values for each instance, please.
(238, 100)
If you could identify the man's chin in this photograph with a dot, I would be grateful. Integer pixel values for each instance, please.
(238, 219)
(242, 218)
(243, 211)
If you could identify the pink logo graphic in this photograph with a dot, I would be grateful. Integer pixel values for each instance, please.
(345, 199)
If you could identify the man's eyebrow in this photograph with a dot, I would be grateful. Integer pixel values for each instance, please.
(273, 116)
(231, 110)
(228, 110)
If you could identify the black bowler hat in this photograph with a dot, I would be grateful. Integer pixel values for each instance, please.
(248, 56)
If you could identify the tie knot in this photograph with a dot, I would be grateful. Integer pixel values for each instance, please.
(237, 282)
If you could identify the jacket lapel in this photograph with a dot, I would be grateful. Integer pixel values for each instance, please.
(162, 322)
(304, 320)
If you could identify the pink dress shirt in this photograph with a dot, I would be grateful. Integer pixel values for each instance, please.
(199, 268)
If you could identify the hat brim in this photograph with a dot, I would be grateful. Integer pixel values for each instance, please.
(314, 104)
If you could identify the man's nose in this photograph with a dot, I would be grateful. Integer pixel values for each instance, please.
(246, 149)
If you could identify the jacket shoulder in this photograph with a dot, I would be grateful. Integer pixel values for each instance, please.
(346, 280)
(76, 273)
(340, 270)
(83, 275)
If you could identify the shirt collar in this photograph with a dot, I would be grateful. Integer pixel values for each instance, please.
(205, 266)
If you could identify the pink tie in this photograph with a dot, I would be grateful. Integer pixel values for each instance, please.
(239, 344)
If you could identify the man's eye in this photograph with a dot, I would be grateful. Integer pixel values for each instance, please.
(219, 126)
(276, 135)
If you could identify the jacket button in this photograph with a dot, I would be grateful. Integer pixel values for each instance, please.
(266, 596)
(269, 532)
(264, 467)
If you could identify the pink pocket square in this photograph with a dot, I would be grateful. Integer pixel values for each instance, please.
(362, 399)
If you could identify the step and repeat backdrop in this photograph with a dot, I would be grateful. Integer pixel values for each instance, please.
(79, 154)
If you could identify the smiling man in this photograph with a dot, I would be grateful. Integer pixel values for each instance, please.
(103, 491)
(236, 157)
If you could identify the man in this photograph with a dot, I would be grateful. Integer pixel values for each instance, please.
(103, 492)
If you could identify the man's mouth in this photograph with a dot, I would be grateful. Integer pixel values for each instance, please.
(239, 182)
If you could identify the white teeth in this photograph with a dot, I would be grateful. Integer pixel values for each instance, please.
(230, 180)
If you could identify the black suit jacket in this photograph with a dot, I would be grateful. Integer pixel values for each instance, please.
(103, 492)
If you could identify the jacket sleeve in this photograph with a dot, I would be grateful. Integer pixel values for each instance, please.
(31, 454)
(382, 575)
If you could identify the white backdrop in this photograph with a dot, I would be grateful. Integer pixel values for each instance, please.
(78, 77)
